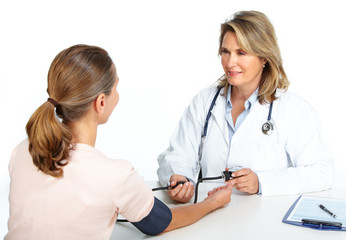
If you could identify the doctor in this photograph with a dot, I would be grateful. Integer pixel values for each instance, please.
(254, 123)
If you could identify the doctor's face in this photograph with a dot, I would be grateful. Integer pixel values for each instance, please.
(242, 69)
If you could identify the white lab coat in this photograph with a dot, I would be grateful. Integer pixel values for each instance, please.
(291, 160)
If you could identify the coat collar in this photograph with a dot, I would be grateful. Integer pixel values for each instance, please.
(219, 112)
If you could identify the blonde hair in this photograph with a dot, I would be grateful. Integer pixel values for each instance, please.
(76, 77)
(256, 35)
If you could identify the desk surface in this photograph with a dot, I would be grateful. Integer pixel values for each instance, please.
(246, 217)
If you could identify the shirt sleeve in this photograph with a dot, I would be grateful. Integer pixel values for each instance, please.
(156, 221)
(134, 198)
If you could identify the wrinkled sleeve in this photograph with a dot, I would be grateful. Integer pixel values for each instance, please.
(311, 164)
(136, 198)
(181, 157)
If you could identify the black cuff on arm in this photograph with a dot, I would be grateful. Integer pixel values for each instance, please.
(157, 220)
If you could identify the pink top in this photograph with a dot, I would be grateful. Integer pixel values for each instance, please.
(83, 204)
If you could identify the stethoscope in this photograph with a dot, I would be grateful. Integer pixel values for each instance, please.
(267, 129)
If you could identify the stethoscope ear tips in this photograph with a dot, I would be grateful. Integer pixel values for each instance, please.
(267, 128)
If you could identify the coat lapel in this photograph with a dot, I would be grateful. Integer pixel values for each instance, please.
(258, 111)
(218, 113)
(257, 116)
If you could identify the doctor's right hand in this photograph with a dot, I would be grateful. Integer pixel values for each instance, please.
(183, 192)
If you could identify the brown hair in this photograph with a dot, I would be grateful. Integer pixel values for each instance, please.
(256, 35)
(76, 77)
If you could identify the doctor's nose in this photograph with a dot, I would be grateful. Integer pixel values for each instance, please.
(231, 60)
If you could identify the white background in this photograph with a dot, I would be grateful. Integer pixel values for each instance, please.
(165, 52)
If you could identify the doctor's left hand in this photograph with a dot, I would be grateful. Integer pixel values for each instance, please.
(245, 180)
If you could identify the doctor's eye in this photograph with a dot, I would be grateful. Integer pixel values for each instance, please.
(240, 52)
(224, 51)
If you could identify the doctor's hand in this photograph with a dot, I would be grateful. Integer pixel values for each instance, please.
(245, 180)
(183, 192)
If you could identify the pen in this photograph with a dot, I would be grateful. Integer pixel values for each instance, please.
(327, 211)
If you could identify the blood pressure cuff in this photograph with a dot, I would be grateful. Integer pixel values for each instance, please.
(157, 220)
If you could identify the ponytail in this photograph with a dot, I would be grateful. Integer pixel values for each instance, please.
(76, 77)
(49, 140)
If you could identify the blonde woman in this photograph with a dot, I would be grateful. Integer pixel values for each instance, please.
(248, 121)
(64, 188)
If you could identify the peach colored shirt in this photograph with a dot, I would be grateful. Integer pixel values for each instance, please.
(83, 204)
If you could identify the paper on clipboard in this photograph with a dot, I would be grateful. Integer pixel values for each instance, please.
(308, 207)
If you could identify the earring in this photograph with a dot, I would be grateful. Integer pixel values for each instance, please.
(264, 65)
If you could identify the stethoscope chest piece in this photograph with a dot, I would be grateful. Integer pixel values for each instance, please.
(267, 128)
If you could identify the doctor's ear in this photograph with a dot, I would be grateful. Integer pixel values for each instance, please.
(264, 62)
(100, 102)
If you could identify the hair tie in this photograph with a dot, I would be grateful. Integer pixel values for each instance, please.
(53, 102)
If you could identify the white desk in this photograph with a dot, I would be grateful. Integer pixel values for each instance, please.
(246, 217)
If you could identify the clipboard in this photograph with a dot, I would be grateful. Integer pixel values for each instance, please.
(300, 214)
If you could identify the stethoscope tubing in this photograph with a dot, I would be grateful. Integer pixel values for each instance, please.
(205, 129)
(268, 123)
(267, 127)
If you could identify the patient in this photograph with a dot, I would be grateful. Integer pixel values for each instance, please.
(64, 188)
